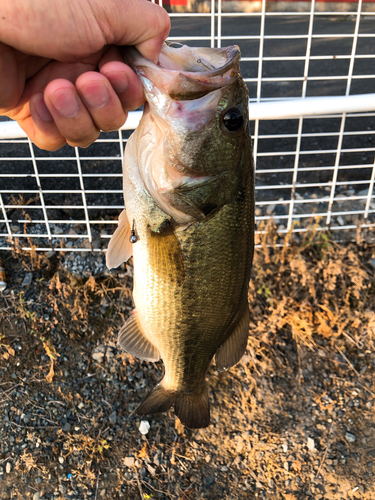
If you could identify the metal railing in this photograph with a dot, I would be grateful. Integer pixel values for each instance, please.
(311, 81)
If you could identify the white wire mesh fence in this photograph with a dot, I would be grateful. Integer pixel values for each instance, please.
(311, 80)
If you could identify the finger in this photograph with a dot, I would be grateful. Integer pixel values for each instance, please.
(126, 84)
(150, 48)
(147, 30)
(70, 115)
(124, 81)
(49, 72)
(11, 85)
(101, 101)
(41, 128)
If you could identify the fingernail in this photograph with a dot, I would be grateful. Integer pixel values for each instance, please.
(41, 108)
(65, 102)
(96, 95)
(119, 81)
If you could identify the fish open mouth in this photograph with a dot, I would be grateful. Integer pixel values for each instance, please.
(187, 73)
(212, 62)
(186, 93)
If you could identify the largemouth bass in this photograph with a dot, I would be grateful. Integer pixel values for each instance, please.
(189, 223)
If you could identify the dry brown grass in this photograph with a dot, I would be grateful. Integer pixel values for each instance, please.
(316, 289)
(308, 372)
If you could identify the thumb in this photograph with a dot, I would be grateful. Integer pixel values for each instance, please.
(140, 23)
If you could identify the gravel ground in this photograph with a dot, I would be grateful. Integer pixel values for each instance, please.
(293, 420)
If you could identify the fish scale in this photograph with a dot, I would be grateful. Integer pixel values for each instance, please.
(194, 240)
(201, 310)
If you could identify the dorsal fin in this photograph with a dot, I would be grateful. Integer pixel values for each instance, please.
(120, 249)
(132, 339)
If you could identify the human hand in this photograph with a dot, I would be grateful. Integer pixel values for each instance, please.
(49, 55)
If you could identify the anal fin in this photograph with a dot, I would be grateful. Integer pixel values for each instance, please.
(120, 249)
(132, 339)
(234, 347)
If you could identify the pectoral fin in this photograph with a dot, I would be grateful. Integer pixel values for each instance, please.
(120, 249)
(132, 339)
(166, 255)
(234, 347)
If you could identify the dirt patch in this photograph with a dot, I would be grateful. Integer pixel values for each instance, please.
(293, 420)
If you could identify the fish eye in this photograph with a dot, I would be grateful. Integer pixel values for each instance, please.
(233, 120)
